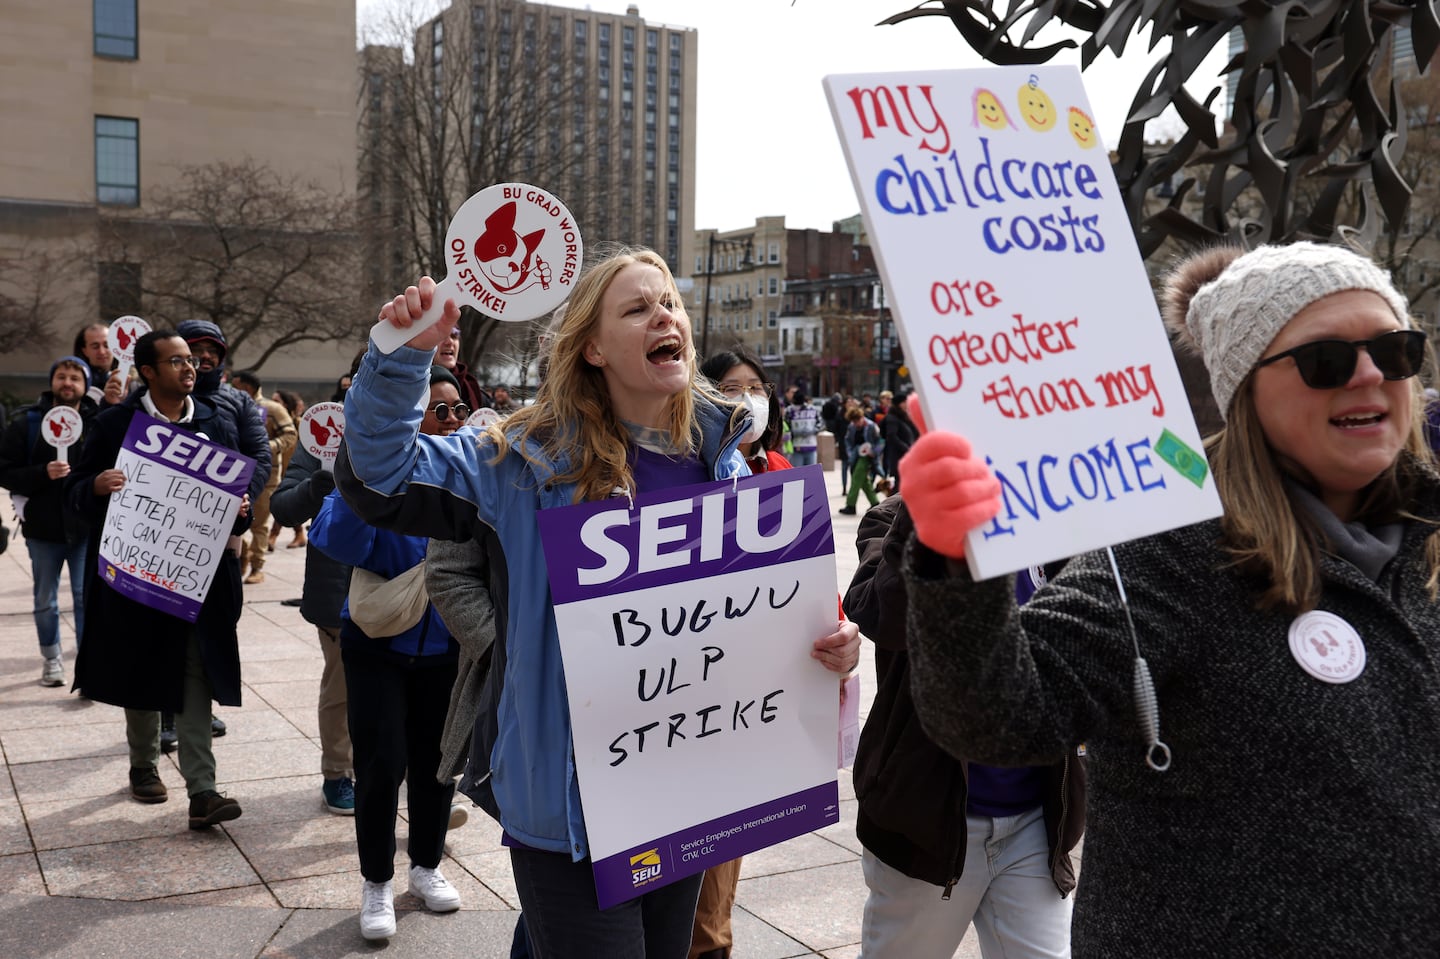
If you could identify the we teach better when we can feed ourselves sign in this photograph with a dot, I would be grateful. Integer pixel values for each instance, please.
(1028, 320)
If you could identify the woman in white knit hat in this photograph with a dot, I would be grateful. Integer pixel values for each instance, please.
(1294, 643)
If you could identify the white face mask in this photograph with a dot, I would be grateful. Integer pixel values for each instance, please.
(760, 415)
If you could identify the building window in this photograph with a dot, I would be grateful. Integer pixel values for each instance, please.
(774, 286)
(119, 289)
(774, 252)
(116, 30)
(117, 161)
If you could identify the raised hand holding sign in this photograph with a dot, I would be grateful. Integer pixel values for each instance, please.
(514, 253)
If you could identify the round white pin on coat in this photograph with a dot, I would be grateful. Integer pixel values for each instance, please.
(1327, 647)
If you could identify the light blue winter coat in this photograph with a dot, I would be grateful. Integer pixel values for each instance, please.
(440, 487)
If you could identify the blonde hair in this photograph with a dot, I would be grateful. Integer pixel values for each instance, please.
(572, 416)
(1268, 536)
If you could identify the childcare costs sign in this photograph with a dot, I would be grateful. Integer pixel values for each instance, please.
(703, 729)
(166, 527)
(1027, 317)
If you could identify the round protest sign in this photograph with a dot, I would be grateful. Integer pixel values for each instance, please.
(123, 333)
(482, 418)
(321, 428)
(61, 428)
(513, 252)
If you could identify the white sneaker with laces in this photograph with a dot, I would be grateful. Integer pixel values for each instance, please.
(434, 888)
(459, 816)
(53, 673)
(377, 910)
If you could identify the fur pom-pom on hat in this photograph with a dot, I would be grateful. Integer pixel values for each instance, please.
(1229, 306)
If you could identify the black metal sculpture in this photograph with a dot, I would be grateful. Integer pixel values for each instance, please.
(1307, 113)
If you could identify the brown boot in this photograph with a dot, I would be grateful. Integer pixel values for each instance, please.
(209, 808)
(257, 575)
(145, 785)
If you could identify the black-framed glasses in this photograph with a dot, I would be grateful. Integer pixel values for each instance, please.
(442, 411)
(733, 391)
(176, 362)
(1329, 364)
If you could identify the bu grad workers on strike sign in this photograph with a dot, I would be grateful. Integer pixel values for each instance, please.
(703, 729)
(165, 528)
(1027, 317)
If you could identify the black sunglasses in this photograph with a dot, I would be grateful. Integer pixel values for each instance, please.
(1329, 364)
(442, 412)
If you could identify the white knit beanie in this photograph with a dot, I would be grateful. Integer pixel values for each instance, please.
(1234, 318)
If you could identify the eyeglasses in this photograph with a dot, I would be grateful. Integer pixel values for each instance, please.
(176, 362)
(442, 412)
(733, 391)
(1329, 364)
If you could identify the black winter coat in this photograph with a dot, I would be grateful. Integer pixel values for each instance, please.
(912, 792)
(24, 471)
(132, 655)
(296, 501)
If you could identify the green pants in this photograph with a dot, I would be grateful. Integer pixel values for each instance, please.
(860, 482)
(192, 728)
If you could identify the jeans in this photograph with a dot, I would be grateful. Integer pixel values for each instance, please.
(1005, 889)
(45, 562)
(803, 457)
(564, 920)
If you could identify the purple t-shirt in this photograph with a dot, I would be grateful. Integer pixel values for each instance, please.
(996, 791)
(655, 471)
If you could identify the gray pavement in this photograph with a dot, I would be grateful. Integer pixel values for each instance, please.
(88, 872)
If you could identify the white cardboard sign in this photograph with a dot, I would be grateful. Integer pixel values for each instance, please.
(1022, 301)
(61, 427)
(123, 332)
(322, 427)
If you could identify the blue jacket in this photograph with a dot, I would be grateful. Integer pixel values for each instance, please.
(442, 487)
(346, 538)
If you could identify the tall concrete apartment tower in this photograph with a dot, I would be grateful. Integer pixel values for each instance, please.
(103, 101)
(597, 108)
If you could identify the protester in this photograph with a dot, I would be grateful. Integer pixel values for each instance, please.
(400, 663)
(448, 356)
(804, 422)
(739, 376)
(92, 344)
(295, 406)
(899, 432)
(207, 344)
(281, 434)
(139, 657)
(34, 473)
(833, 413)
(621, 395)
(1288, 641)
(862, 442)
(296, 500)
(502, 403)
(948, 842)
(342, 386)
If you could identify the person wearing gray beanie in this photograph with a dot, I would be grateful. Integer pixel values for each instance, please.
(1290, 641)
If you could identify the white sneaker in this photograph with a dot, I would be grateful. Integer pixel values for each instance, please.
(53, 673)
(434, 888)
(377, 910)
(459, 816)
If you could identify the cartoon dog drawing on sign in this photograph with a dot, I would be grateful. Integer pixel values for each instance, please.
(505, 257)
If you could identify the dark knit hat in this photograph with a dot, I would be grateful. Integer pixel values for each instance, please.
(74, 361)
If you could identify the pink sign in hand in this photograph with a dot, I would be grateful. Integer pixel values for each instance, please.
(322, 426)
(123, 333)
(513, 252)
(61, 428)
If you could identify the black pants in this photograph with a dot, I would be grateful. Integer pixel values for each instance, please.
(397, 716)
(564, 920)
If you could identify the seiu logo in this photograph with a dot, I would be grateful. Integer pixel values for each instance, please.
(645, 867)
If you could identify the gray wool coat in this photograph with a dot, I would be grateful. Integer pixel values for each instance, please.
(1299, 817)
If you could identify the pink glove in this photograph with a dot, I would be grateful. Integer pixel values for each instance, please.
(948, 490)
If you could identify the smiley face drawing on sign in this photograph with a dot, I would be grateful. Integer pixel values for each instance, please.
(513, 252)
